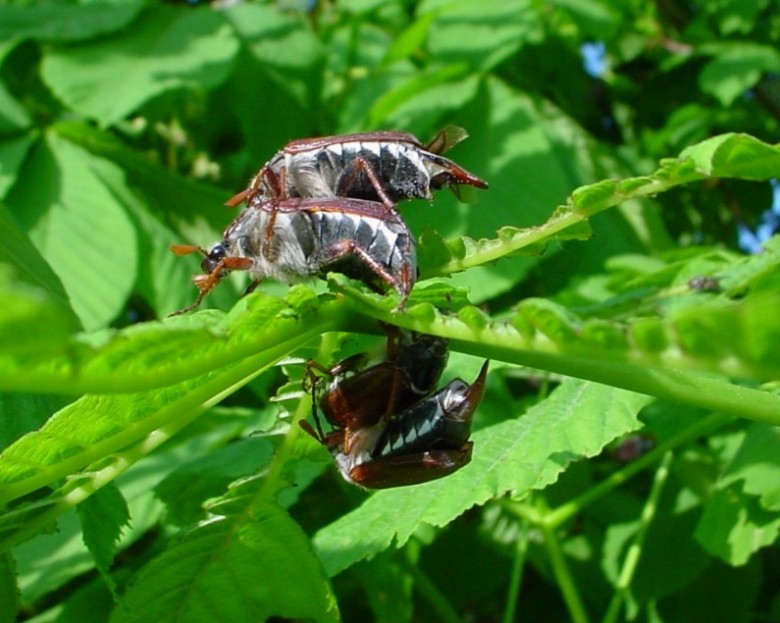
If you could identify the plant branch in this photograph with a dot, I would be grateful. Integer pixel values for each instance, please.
(635, 550)
(516, 575)
(696, 429)
(560, 568)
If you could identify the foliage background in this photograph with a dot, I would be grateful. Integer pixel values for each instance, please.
(170, 482)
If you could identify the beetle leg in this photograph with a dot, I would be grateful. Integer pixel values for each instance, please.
(394, 338)
(350, 364)
(206, 283)
(275, 185)
(265, 180)
(269, 249)
(189, 308)
(238, 198)
(315, 415)
(349, 176)
(310, 431)
(410, 469)
(345, 248)
(252, 287)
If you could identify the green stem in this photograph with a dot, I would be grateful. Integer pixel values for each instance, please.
(272, 482)
(561, 571)
(198, 401)
(635, 551)
(436, 600)
(186, 404)
(516, 576)
(549, 520)
(573, 507)
(504, 343)
(489, 251)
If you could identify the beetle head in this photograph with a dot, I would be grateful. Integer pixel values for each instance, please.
(214, 257)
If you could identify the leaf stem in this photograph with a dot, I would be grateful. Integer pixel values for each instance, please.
(635, 550)
(565, 217)
(571, 508)
(560, 568)
(516, 576)
(436, 600)
(90, 481)
(503, 343)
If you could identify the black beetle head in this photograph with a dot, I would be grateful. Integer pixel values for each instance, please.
(215, 255)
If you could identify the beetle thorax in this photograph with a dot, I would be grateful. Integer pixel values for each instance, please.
(283, 259)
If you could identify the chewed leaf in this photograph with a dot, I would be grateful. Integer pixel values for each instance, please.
(149, 354)
(727, 156)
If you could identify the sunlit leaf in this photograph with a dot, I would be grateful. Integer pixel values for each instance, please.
(78, 226)
(206, 572)
(168, 50)
(64, 22)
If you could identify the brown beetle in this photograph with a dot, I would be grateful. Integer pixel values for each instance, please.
(381, 166)
(390, 428)
(303, 238)
(414, 364)
(426, 441)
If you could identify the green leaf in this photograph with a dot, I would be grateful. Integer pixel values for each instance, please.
(182, 204)
(31, 323)
(13, 116)
(245, 568)
(734, 526)
(24, 271)
(721, 593)
(389, 589)
(154, 354)
(51, 560)
(66, 22)
(669, 537)
(81, 229)
(9, 593)
(281, 69)
(122, 427)
(170, 49)
(440, 89)
(57, 555)
(736, 68)
(481, 34)
(725, 156)
(597, 20)
(186, 489)
(741, 515)
(411, 40)
(518, 455)
(12, 154)
(22, 413)
(102, 516)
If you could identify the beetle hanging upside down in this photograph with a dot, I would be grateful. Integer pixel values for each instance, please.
(301, 238)
(378, 166)
(397, 438)
(414, 365)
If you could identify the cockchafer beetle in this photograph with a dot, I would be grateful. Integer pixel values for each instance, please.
(382, 166)
(358, 399)
(301, 238)
(426, 441)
